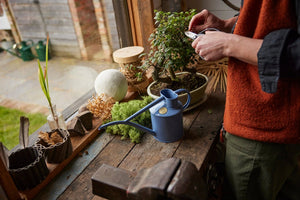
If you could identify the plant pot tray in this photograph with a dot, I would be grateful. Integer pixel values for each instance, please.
(78, 143)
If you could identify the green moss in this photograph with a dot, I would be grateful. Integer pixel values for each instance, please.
(10, 125)
(121, 111)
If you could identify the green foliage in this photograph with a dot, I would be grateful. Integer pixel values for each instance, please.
(122, 111)
(170, 49)
(43, 76)
(10, 125)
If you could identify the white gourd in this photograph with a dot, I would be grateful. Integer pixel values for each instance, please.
(112, 83)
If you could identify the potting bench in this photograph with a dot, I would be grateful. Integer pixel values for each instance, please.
(99, 150)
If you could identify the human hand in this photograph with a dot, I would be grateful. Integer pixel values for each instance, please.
(212, 46)
(205, 19)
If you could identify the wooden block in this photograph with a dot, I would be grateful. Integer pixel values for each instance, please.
(75, 127)
(7, 183)
(151, 183)
(111, 182)
(86, 119)
(187, 183)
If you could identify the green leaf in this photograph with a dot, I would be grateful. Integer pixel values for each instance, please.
(43, 76)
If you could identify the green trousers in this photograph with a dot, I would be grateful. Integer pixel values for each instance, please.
(257, 170)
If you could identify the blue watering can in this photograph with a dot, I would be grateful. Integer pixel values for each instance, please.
(166, 116)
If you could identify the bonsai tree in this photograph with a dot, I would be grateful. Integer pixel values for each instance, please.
(170, 49)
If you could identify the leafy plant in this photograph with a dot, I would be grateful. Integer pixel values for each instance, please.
(43, 78)
(170, 49)
(122, 111)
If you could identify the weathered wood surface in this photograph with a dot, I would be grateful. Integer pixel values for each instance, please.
(201, 127)
(78, 144)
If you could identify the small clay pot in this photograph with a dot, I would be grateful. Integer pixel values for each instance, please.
(27, 167)
(60, 151)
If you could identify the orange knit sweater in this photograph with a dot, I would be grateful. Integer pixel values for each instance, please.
(250, 112)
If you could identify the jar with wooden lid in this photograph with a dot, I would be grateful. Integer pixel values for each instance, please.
(129, 61)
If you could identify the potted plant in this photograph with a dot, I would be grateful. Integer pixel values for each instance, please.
(57, 148)
(170, 55)
(55, 119)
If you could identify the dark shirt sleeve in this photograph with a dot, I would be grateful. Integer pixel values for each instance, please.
(279, 56)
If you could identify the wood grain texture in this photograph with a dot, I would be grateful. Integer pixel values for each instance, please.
(201, 126)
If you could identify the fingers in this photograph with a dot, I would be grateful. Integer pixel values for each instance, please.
(198, 45)
(197, 22)
(210, 47)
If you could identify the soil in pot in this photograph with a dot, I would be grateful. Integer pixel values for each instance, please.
(57, 145)
(189, 81)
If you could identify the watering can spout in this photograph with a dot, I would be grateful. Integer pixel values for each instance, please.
(128, 122)
(166, 117)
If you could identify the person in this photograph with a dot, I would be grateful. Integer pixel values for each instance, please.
(262, 109)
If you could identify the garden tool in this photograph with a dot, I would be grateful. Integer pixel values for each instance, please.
(22, 50)
(193, 35)
(166, 116)
(40, 49)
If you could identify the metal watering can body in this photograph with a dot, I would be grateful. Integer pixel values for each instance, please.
(166, 117)
(24, 50)
(40, 49)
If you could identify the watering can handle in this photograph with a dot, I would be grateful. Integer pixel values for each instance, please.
(31, 41)
(189, 97)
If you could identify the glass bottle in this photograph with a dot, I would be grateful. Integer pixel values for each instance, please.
(56, 121)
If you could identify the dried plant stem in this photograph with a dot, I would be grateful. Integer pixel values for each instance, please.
(216, 71)
(101, 106)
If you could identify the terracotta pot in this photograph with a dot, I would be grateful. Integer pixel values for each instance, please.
(27, 167)
(198, 95)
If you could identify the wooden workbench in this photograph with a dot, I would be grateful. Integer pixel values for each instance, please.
(201, 127)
